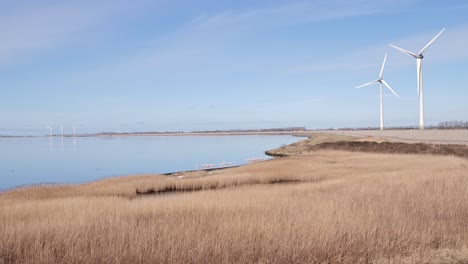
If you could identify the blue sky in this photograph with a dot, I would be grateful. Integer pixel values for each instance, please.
(115, 65)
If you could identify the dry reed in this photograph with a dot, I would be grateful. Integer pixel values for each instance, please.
(346, 208)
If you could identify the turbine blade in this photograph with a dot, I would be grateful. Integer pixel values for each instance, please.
(404, 51)
(390, 88)
(367, 84)
(430, 42)
(418, 69)
(383, 65)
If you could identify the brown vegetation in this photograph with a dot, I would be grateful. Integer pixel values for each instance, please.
(301, 146)
(393, 147)
(331, 141)
(435, 136)
(341, 207)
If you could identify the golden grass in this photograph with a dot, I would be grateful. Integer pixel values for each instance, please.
(313, 139)
(346, 208)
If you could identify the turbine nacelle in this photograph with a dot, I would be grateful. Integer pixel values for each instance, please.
(380, 79)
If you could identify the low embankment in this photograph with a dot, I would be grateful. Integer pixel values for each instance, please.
(432, 136)
(394, 148)
(331, 141)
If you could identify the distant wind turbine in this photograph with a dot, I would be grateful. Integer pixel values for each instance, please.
(50, 138)
(61, 129)
(74, 138)
(50, 130)
(419, 56)
(381, 81)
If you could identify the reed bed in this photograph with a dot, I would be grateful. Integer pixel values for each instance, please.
(333, 207)
(394, 147)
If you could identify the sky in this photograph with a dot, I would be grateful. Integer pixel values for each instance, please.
(122, 66)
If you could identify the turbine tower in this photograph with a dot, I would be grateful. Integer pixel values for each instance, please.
(61, 129)
(419, 56)
(381, 81)
(50, 138)
(74, 138)
(50, 130)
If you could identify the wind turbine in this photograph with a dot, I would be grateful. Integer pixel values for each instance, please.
(50, 138)
(74, 138)
(419, 56)
(381, 81)
(50, 130)
(61, 129)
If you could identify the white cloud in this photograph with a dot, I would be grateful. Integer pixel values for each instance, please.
(209, 38)
(295, 13)
(44, 25)
(450, 46)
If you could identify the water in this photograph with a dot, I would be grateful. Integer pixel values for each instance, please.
(38, 160)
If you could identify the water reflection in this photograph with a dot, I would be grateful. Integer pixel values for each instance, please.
(70, 159)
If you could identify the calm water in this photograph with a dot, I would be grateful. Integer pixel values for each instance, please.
(25, 161)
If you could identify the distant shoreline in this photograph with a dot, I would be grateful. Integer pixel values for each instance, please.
(152, 134)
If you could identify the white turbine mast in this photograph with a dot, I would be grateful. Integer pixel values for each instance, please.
(381, 81)
(74, 136)
(419, 56)
(61, 129)
(50, 138)
(50, 130)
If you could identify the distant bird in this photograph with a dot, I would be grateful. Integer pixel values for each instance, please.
(419, 58)
(381, 81)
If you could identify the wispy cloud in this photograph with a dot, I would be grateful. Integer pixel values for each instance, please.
(44, 25)
(295, 13)
(451, 46)
(460, 6)
(209, 39)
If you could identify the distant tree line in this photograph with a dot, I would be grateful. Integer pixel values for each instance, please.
(455, 124)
